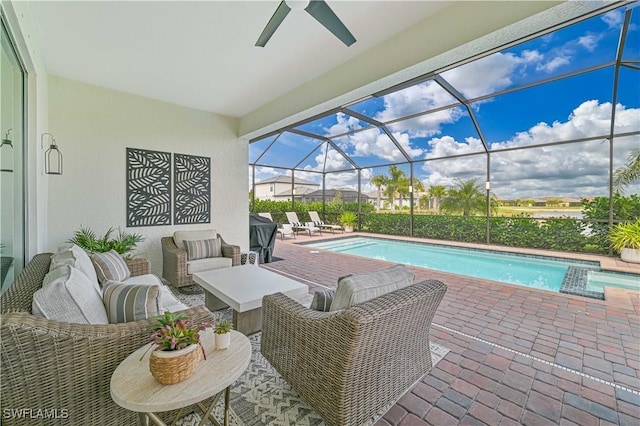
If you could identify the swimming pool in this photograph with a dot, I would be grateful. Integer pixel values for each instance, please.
(541, 272)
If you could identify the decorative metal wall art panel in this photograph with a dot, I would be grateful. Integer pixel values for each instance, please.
(148, 187)
(192, 189)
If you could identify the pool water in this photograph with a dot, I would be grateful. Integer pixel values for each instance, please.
(537, 272)
(596, 281)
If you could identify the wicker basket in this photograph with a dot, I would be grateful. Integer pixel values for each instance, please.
(169, 367)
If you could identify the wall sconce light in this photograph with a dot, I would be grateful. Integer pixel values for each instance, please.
(52, 156)
(4, 152)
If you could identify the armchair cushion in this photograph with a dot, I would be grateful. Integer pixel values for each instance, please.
(130, 302)
(200, 265)
(203, 234)
(110, 266)
(202, 249)
(67, 295)
(355, 289)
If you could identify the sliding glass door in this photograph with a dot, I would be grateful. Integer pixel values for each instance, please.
(12, 160)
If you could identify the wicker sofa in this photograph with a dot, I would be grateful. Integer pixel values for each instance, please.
(175, 267)
(351, 364)
(50, 365)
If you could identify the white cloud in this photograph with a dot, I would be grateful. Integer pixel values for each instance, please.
(554, 63)
(590, 41)
(578, 170)
(344, 124)
(613, 19)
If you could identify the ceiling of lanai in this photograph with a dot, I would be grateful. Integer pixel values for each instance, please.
(201, 54)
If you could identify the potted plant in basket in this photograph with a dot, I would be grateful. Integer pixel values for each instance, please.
(222, 333)
(625, 239)
(175, 355)
(348, 220)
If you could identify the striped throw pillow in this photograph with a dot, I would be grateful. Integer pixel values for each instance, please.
(110, 266)
(201, 249)
(322, 300)
(130, 302)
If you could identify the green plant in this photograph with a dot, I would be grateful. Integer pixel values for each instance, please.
(223, 326)
(175, 332)
(348, 218)
(625, 235)
(124, 243)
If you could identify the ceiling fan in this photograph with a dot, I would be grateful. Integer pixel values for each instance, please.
(319, 9)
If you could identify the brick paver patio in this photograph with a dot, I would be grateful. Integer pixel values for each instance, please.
(517, 355)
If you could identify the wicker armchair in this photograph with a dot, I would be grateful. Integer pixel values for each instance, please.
(174, 261)
(51, 365)
(351, 364)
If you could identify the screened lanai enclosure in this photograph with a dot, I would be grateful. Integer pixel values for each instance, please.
(463, 153)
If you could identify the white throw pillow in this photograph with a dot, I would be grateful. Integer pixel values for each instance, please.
(75, 256)
(67, 295)
(203, 234)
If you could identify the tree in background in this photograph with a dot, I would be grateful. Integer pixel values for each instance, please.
(629, 173)
(378, 181)
(436, 192)
(393, 181)
(465, 197)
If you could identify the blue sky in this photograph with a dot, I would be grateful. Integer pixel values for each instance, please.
(572, 108)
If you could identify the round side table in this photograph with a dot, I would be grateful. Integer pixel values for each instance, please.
(134, 388)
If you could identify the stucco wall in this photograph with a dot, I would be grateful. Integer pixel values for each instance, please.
(93, 126)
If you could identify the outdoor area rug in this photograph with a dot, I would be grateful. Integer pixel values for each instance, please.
(261, 396)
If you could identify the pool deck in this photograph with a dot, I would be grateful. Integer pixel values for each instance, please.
(517, 355)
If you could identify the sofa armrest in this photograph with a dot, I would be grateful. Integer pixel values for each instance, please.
(139, 266)
(51, 364)
(230, 251)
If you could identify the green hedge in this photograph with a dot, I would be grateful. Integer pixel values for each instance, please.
(552, 234)
(331, 215)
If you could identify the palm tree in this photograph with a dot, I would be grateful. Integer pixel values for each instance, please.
(403, 188)
(628, 173)
(378, 181)
(392, 184)
(466, 197)
(436, 192)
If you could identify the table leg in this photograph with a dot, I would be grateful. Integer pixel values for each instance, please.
(227, 393)
(144, 419)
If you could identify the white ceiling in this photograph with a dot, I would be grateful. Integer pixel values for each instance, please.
(201, 54)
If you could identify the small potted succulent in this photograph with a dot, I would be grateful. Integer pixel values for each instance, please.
(625, 239)
(175, 355)
(348, 220)
(222, 333)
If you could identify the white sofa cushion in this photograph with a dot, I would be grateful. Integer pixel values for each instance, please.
(168, 302)
(72, 255)
(67, 295)
(207, 264)
(355, 289)
(203, 234)
(131, 302)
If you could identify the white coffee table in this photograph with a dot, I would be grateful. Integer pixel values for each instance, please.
(242, 288)
(134, 388)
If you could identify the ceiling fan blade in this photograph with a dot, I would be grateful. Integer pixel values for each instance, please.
(281, 12)
(321, 11)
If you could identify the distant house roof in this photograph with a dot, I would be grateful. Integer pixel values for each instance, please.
(346, 194)
(298, 190)
(287, 179)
